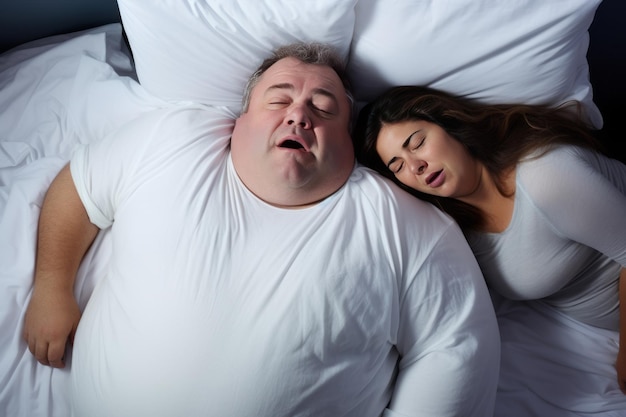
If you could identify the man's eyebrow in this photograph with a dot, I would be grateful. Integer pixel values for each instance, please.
(405, 145)
(281, 86)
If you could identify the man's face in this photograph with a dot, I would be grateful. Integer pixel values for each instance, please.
(292, 147)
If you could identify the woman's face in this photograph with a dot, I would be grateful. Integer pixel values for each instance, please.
(423, 156)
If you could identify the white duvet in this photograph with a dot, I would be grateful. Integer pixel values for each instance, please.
(60, 92)
(54, 95)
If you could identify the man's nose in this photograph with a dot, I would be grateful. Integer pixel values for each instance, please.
(298, 115)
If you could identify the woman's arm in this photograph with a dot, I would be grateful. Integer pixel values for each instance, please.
(584, 196)
(621, 355)
(65, 234)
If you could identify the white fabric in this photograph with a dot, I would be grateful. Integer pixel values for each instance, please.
(216, 303)
(530, 51)
(553, 365)
(205, 51)
(522, 51)
(558, 353)
(566, 242)
(54, 95)
(43, 108)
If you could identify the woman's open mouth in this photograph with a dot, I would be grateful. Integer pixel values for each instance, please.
(435, 179)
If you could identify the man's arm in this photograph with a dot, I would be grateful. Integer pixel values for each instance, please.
(448, 339)
(65, 234)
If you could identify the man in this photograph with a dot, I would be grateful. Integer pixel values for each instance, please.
(256, 271)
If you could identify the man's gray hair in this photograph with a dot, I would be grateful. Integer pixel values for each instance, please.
(309, 53)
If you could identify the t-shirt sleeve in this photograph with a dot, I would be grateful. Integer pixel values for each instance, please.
(448, 337)
(78, 166)
(583, 195)
(108, 171)
(101, 170)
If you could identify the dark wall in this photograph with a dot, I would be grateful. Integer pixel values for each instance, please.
(607, 69)
(25, 20)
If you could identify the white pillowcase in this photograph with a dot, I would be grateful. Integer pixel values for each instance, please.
(530, 51)
(205, 50)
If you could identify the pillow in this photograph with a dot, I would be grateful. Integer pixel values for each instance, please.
(530, 51)
(204, 51)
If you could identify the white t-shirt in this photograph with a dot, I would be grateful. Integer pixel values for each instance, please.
(566, 242)
(218, 304)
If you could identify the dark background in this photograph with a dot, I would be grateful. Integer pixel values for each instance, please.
(607, 70)
(25, 20)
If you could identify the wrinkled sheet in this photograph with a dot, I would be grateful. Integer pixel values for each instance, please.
(555, 366)
(61, 92)
(55, 94)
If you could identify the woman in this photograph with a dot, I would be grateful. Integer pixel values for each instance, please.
(543, 210)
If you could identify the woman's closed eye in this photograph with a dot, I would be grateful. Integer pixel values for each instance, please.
(416, 142)
(396, 166)
(412, 143)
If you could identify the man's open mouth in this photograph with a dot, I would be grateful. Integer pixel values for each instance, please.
(291, 144)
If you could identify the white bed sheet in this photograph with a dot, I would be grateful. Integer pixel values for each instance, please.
(555, 366)
(55, 94)
(60, 92)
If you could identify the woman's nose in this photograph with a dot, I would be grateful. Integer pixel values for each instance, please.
(418, 166)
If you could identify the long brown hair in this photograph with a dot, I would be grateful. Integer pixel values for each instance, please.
(499, 135)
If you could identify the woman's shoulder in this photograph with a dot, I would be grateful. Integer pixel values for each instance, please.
(545, 171)
(570, 160)
(559, 160)
(554, 153)
(568, 169)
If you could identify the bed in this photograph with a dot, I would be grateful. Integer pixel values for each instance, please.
(72, 72)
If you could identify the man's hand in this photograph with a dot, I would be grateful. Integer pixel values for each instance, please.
(64, 235)
(50, 323)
